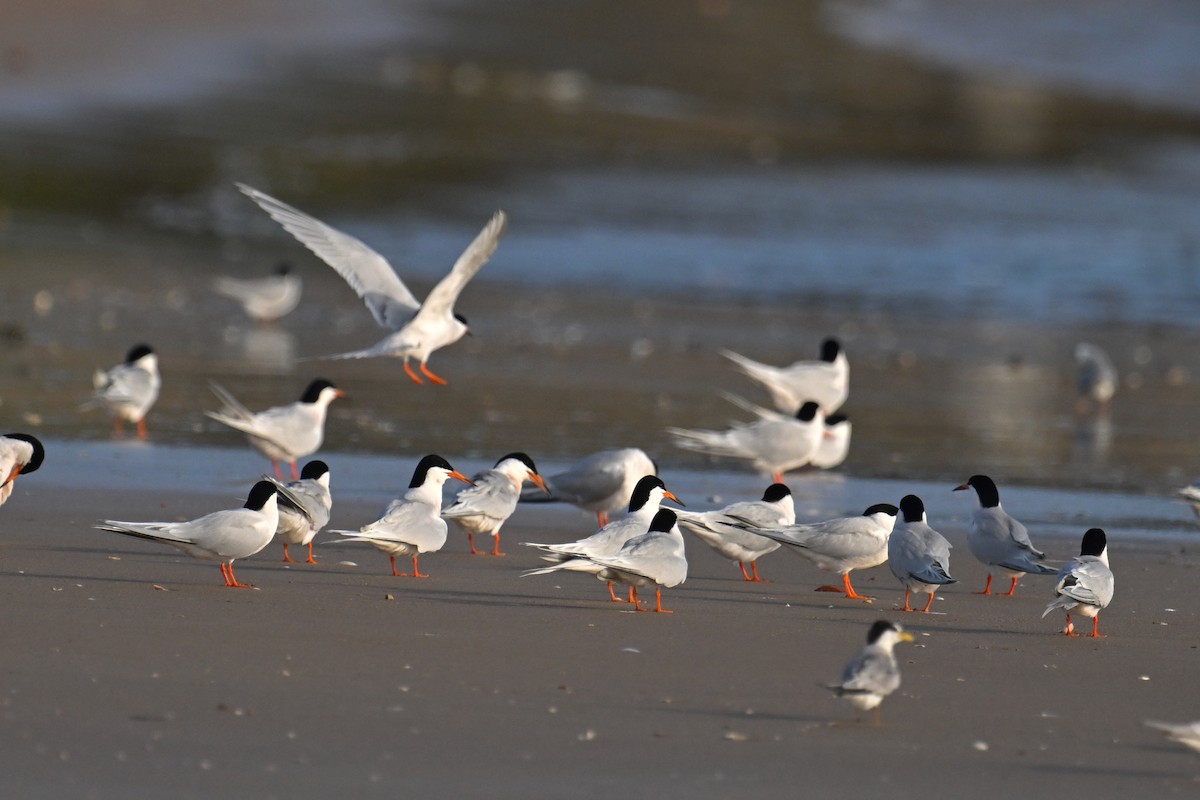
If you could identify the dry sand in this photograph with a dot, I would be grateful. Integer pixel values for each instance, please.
(333, 679)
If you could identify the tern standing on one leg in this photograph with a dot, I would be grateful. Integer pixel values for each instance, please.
(282, 433)
(486, 506)
(128, 390)
(999, 541)
(1085, 583)
(412, 524)
(418, 329)
(918, 555)
(222, 536)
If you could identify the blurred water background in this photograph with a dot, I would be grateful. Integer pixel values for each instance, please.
(960, 191)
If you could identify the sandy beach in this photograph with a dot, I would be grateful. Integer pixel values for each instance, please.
(130, 668)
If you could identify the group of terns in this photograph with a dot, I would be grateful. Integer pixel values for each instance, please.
(644, 548)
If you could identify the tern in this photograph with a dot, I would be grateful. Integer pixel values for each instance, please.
(1085, 583)
(128, 390)
(601, 482)
(918, 555)
(20, 454)
(873, 674)
(773, 446)
(827, 381)
(724, 529)
(999, 541)
(264, 299)
(486, 506)
(299, 523)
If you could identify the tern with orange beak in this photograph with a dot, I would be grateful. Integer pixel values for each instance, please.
(412, 524)
(418, 329)
(282, 433)
(20, 454)
(486, 506)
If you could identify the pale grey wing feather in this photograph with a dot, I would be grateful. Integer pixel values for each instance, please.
(493, 495)
(587, 486)
(231, 405)
(872, 672)
(441, 299)
(368, 273)
(1088, 582)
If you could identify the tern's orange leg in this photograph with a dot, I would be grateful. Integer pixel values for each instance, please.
(745, 575)
(907, 607)
(471, 544)
(432, 378)
(928, 603)
(613, 594)
(1011, 588)
(141, 429)
(416, 573)
(224, 574)
(1069, 629)
(850, 593)
(987, 588)
(754, 572)
(295, 472)
(233, 581)
(310, 559)
(278, 473)
(496, 545)
(286, 558)
(392, 561)
(408, 371)
(633, 599)
(601, 518)
(1095, 634)
(777, 477)
(658, 603)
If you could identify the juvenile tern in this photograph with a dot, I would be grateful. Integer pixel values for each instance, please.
(486, 506)
(918, 555)
(222, 536)
(418, 329)
(999, 541)
(600, 483)
(20, 454)
(721, 529)
(1085, 583)
(827, 381)
(1186, 734)
(282, 433)
(128, 390)
(839, 545)
(412, 524)
(654, 558)
(264, 299)
(1096, 381)
(300, 522)
(773, 446)
(644, 502)
(873, 674)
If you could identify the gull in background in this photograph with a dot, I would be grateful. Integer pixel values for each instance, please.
(773, 446)
(644, 502)
(222, 536)
(654, 558)
(839, 545)
(1000, 542)
(486, 506)
(20, 454)
(282, 433)
(826, 381)
(1085, 583)
(873, 674)
(918, 555)
(128, 390)
(412, 524)
(724, 529)
(601, 483)
(264, 299)
(417, 329)
(300, 522)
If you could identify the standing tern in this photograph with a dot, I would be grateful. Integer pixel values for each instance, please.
(839, 545)
(999, 541)
(644, 502)
(412, 524)
(654, 558)
(418, 329)
(20, 454)
(128, 390)
(300, 522)
(484, 507)
(827, 381)
(1085, 583)
(282, 433)
(918, 555)
(601, 483)
(873, 674)
(722, 529)
(264, 299)
(222, 536)
(773, 446)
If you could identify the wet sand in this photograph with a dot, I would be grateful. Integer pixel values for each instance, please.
(130, 668)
